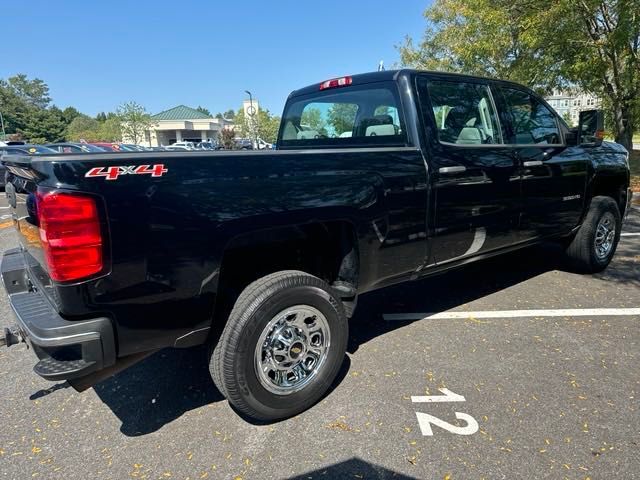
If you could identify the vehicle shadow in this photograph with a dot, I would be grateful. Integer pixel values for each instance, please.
(159, 389)
(171, 382)
(353, 468)
(449, 290)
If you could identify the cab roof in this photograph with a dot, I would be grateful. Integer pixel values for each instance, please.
(393, 75)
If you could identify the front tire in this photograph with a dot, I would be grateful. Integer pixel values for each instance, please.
(594, 245)
(282, 346)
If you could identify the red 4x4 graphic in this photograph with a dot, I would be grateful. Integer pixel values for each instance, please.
(112, 173)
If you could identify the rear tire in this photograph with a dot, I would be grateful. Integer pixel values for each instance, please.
(282, 346)
(594, 245)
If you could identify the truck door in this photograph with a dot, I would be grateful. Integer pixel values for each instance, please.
(553, 175)
(474, 178)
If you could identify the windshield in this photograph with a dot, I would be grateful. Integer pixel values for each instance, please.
(367, 115)
(92, 148)
(38, 150)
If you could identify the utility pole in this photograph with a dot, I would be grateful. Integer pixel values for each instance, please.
(4, 134)
(253, 118)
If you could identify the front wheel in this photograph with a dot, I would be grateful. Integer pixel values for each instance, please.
(594, 245)
(282, 346)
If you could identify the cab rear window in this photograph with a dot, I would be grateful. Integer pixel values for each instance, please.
(358, 116)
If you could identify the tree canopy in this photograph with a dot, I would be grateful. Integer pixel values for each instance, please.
(591, 45)
(134, 121)
(203, 110)
(267, 125)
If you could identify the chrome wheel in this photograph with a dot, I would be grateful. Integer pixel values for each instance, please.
(292, 349)
(605, 235)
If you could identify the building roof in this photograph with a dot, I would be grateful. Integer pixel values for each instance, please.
(181, 112)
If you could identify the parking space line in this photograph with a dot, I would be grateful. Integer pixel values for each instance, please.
(563, 312)
(630, 234)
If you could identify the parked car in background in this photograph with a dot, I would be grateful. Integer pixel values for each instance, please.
(71, 147)
(181, 146)
(264, 145)
(108, 146)
(207, 146)
(243, 144)
(27, 149)
(130, 147)
(20, 148)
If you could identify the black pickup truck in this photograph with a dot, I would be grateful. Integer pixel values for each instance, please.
(377, 179)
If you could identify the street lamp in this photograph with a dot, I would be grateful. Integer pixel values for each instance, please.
(4, 134)
(254, 124)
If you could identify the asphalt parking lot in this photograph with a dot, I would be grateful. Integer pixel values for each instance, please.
(544, 395)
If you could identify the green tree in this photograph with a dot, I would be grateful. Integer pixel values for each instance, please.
(101, 117)
(591, 44)
(34, 92)
(83, 127)
(69, 113)
(342, 117)
(134, 121)
(267, 125)
(20, 99)
(44, 125)
(566, 116)
(204, 110)
(313, 119)
(110, 130)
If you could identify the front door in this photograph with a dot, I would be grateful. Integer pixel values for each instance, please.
(475, 183)
(553, 175)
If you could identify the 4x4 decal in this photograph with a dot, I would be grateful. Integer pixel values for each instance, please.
(112, 173)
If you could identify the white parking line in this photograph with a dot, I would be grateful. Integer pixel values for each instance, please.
(563, 312)
(630, 234)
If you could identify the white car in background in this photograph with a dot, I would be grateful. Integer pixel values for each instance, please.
(181, 146)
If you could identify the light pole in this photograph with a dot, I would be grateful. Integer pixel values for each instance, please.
(254, 125)
(4, 135)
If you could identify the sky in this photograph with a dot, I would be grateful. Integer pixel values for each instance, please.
(96, 55)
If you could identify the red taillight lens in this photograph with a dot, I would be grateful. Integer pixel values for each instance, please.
(71, 235)
(336, 82)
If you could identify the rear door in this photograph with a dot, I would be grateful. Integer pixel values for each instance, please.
(475, 184)
(553, 175)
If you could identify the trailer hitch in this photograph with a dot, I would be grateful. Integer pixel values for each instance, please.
(11, 336)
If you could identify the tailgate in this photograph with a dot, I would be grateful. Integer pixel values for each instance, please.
(20, 190)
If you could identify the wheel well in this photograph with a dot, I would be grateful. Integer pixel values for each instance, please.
(611, 187)
(327, 250)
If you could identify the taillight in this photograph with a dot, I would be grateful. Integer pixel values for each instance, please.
(336, 82)
(71, 235)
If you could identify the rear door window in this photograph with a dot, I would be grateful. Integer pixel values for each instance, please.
(464, 113)
(367, 115)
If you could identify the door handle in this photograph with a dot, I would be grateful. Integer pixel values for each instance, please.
(533, 163)
(456, 169)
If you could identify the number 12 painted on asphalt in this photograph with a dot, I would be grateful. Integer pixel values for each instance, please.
(425, 420)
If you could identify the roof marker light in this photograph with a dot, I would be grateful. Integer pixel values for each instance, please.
(336, 82)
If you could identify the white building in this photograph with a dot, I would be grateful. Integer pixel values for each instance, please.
(183, 123)
(571, 103)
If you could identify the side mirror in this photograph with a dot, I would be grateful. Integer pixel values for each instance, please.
(591, 127)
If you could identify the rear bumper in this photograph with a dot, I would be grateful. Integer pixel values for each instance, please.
(66, 349)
